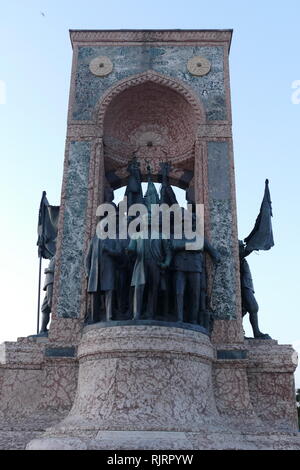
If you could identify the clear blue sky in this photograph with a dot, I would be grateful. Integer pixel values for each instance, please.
(34, 85)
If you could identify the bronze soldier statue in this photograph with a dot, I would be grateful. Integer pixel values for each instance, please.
(152, 256)
(167, 195)
(47, 302)
(134, 191)
(249, 303)
(100, 267)
(188, 274)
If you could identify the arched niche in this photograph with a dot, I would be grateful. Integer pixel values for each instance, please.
(157, 119)
(154, 116)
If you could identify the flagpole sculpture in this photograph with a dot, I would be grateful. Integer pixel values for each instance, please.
(39, 296)
(261, 238)
(47, 233)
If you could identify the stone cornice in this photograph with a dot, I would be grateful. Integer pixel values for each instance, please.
(151, 35)
(85, 130)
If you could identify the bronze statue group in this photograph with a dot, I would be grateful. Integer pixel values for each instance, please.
(147, 278)
(156, 278)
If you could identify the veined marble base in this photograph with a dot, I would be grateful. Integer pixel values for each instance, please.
(154, 387)
(137, 379)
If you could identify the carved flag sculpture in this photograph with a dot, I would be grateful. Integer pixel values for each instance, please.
(261, 237)
(47, 228)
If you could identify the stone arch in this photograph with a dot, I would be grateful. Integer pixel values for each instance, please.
(143, 107)
(148, 76)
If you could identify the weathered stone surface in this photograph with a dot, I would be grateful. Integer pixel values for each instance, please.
(271, 383)
(165, 385)
(146, 440)
(224, 292)
(72, 256)
(60, 443)
(218, 171)
(27, 350)
(20, 391)
(244, 441)
(17, 431)
(221, 224)
(35, 391)
(153, 440)
(143, 377)
(168, 60)
(227, 332)
(151, 36)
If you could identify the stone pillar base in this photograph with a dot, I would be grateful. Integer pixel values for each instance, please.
(139, 380)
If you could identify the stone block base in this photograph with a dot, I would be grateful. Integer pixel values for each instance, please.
(147, 387)
(37, 388)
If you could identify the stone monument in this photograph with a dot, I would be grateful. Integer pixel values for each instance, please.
(141, 97)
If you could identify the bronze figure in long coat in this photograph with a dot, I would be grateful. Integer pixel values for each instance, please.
(100, 267)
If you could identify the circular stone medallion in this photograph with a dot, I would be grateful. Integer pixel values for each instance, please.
(101, 66)
(198, 66)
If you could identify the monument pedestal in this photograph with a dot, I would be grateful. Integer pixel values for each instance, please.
(154, 387)
(147, 380)
(148, 385)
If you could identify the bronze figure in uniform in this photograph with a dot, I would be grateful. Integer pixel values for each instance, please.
(188, 274)
(249, 303)
(47, 302)
(100, 267)
(152, 256)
